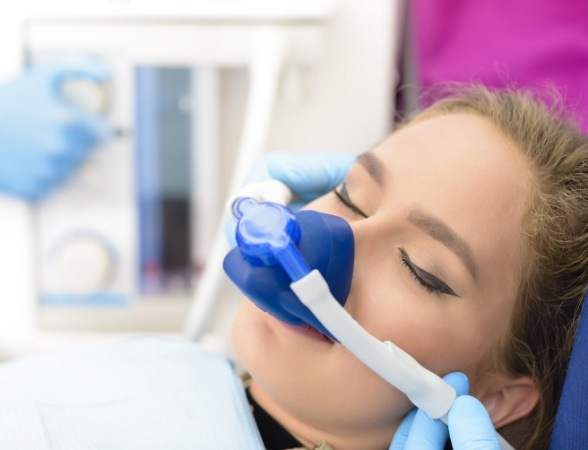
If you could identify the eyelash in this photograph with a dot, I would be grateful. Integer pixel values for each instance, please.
(345, 201)
(436, 288)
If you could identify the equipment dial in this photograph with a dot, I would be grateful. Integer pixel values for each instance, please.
(81, 264)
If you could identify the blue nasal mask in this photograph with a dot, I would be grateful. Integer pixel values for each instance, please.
(277, 246)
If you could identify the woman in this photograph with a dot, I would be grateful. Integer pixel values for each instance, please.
(471, 255)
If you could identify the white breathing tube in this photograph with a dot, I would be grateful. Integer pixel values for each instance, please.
(426, 390)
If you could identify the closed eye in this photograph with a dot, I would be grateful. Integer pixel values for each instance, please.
(426, 279)
(343, 197)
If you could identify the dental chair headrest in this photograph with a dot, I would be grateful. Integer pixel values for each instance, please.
(571, 430)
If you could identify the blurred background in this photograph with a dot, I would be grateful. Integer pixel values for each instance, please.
(191, 91)
(126, 124)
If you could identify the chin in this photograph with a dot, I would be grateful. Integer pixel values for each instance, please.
(278, 360)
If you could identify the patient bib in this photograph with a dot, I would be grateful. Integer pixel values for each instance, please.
(144, 393)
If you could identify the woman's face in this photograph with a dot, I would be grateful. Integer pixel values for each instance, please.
(436, 211)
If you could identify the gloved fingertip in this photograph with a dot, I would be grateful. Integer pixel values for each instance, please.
(79, 65)
(408, 419)
(468, 406)
(279, 169)
(470, 425)
(347, 159)
(426, 433)
(459, 381)
(401, 435)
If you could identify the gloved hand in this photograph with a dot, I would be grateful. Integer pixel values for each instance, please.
(308, 176)
(44, 137)
(469, 425)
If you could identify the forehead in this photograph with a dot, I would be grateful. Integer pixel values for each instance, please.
(464, 171)
(460, 149)
(455, 138)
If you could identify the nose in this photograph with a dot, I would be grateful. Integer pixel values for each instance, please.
(363, 236)
(326, 244)
(368, 235)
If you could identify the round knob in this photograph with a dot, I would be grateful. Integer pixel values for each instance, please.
(81, 265)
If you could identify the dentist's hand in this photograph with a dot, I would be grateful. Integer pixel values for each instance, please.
(44, 137)
(308, 176)
(469, 425)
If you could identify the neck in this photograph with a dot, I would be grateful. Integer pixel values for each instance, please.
(310, 435)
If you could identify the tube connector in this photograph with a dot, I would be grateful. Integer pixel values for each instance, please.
(268, 234)
(271, 190)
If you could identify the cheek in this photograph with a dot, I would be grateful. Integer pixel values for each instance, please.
(435, 340)
(443, 334)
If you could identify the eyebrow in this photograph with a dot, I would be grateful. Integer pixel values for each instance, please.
(444, 234)
(431, 225)
(373, 166)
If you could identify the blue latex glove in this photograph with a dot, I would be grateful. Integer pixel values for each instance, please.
(469, 425)
(308, 176)
(43, 137)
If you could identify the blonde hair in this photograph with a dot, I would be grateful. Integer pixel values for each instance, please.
(553, 283)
